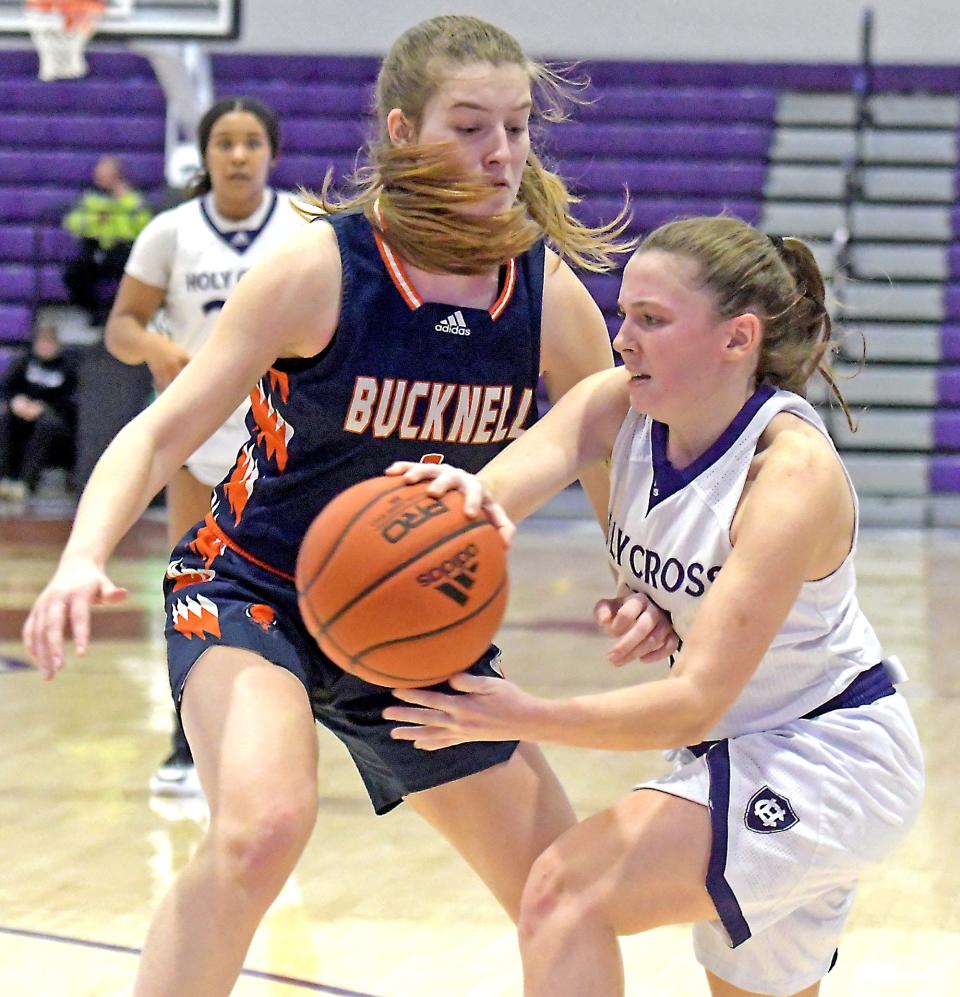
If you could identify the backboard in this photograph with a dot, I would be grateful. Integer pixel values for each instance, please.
(203, 19)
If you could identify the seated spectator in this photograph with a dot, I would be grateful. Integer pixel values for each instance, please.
(106, 220)
(37, 413)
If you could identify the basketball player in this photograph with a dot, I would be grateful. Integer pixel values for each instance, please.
(796, 764)
(186, 261)
(411, 321)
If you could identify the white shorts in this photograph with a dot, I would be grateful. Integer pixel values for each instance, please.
(211, 461)
(798, 813)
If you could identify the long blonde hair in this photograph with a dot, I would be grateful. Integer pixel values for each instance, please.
(412, 193)
(776, 279)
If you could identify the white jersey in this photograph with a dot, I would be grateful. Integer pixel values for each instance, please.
(669, 534)
(197, 256)
(798, 806)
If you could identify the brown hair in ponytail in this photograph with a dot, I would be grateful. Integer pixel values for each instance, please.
(776, 279)
(413, 192)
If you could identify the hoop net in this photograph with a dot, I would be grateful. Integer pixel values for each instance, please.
(60, 30)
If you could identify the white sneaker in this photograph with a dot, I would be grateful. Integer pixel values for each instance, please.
(177, 776)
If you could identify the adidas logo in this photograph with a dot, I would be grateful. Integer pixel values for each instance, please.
(453, 576)
(454, 324)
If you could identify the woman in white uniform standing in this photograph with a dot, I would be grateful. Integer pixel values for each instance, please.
(186, 262)
(796, 763)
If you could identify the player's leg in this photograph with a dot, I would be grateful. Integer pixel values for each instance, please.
(720, 988)
(188, 501)
(501, 819)
(255, 746)
(639, 864)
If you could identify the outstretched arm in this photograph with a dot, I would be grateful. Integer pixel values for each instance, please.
(285, 306)
(794, 525)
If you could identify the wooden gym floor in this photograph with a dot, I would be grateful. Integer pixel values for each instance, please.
(381, 906)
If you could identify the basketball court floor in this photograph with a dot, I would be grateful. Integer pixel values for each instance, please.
(381, 906)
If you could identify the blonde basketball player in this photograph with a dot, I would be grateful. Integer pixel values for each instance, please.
(796, 763)
(345, 344)
(186, 262)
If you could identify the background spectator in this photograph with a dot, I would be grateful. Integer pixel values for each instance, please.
(37, 413)
(106, 220)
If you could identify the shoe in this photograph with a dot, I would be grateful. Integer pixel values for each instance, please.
(177, 776)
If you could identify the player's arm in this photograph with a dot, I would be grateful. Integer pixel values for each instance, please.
(128, 337)
(574, 344)
(785, 534)
(285, 306)
(576, 434)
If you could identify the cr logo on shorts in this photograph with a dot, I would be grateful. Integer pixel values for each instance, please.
(769, 812)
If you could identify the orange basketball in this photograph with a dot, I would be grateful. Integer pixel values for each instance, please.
(398, 587)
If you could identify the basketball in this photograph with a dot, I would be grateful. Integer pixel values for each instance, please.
(400, 588)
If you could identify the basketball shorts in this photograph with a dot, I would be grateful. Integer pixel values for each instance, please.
(212, 461)
(226, 600)
(798, 813)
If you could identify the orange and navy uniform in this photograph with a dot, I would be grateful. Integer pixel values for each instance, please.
(402, 379)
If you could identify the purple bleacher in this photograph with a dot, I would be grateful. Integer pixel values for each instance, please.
(946, 429)
(318, 135)
(28, 204)
(292, 171)
(17, 243)
(953, 254)
(656, 141)
(950, 342)
(14, 323)
(76, 168)
(39, 97)
(347, 100)
(639, 103)
(944, 474)
(666, 177)
(604, 288)
(951, 300)
(17, 282)
(51, 285)
(948, 385)
(238, 68)
(648, 213)
(98, 132)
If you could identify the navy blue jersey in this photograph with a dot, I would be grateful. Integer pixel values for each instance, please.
(402, 379)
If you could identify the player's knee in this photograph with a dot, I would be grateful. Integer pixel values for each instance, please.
(264, 845)
(550, 899)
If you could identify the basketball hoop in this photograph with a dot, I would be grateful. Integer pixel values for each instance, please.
(60, 30)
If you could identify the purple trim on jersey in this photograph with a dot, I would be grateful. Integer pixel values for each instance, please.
(724, 899)
(668, 480)
(250, 233)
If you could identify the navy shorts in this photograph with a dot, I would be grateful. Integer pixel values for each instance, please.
(220, 598)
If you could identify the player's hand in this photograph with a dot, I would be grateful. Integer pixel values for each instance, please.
(165, 361)
(77, 585)
(445, 478)
(493, 709)
(643, 629)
